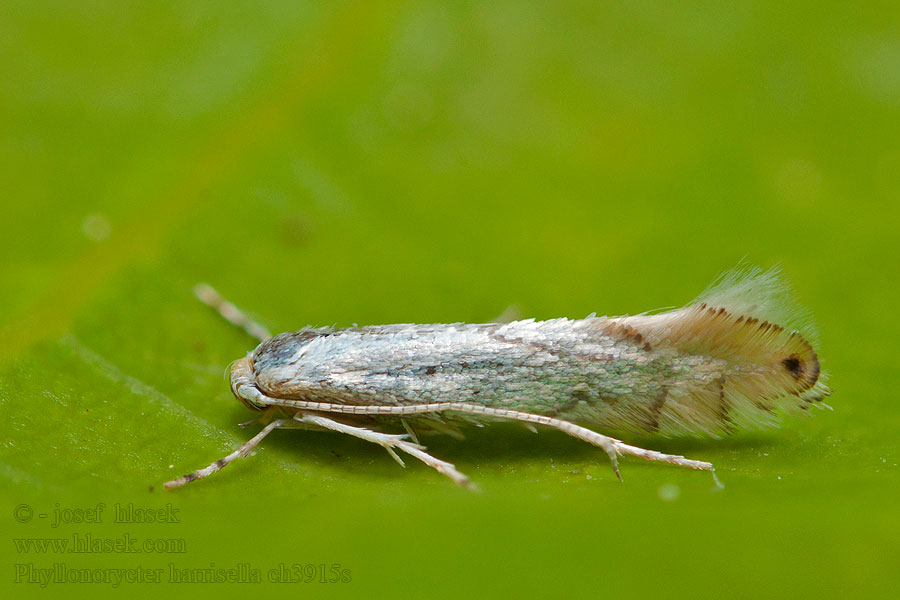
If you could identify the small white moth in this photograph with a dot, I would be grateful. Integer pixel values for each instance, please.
(727, 360)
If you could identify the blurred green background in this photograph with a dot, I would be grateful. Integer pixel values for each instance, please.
(339, 163)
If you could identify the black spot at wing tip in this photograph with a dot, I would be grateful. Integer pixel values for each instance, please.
(793, 365)
(805, 370)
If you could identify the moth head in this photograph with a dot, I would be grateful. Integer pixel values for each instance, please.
(281, 367)
(241, 375)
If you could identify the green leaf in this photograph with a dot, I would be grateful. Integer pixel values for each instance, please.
(340, 163)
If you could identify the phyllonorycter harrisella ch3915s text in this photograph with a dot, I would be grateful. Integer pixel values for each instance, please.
(727, 360)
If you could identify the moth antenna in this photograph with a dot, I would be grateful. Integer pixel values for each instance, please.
(231, 313)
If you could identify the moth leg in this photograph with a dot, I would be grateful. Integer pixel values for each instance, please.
(410, 431)
(242, 452)
(607, 443)
(612, 446)
(251, 422)
(615, 447)
(388, 442)
(511, 313)
(231, 313)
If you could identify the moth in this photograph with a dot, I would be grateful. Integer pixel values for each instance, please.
(736, 357)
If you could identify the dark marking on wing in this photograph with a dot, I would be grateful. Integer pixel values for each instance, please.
(656, 408)
(724, 409)
(581, 392)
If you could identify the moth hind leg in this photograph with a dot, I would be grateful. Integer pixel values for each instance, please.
(612, 446)
(615, 447)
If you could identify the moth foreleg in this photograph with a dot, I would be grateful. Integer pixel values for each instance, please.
(242, 452)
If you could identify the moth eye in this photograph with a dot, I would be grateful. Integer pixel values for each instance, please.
(794, 366)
